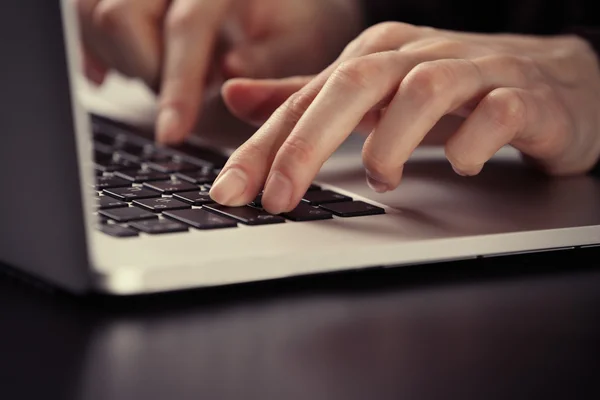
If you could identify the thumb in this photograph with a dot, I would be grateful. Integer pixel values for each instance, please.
(254, 101)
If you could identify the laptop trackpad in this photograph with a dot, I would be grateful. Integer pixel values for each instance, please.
(508, 196)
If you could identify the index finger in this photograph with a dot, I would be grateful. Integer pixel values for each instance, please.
(191, 29)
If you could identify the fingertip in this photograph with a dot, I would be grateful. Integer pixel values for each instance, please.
(248, 100)
(234, 66)
(231, 85)
(170, 129)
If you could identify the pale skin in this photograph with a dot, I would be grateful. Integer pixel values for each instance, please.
(177, 46)
(394, 83)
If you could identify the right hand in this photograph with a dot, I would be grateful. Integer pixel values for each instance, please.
(171, 45)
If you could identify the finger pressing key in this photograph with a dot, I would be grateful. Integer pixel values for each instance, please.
(191, 30)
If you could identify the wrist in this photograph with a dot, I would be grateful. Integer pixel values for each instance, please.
(591, 36)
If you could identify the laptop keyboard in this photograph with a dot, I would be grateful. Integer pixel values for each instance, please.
(142, 187)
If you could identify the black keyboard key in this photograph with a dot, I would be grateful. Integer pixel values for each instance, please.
(128, 214)
(158, 156)
(106, 203)
(319, 197)
(133, 149)
(161, 204)
(199, 156)
(110, 182)
(134, 152)
(159, 227)
(143, 175)
(102, 153)
(201, 219)
(306, 212)
(118, 231)
(171, 167)
(353, 209)
(246, 215)
(199, 178)
(170, 187)
(115, 164)
(131, 193)
(197, 198)
(104, 139)
(258, 201)
(103, 126)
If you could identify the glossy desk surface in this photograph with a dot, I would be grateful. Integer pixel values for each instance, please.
(505, 328)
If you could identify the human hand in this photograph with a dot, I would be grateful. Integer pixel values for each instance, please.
(396, 81)
(175, 46)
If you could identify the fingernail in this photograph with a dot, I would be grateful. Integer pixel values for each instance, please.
(376, 184)
(457, 171)
(234, 65)
(166, 125)
(476, 170)
(278, 193)
(229, 187)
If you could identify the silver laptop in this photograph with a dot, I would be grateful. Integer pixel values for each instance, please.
(90, 204)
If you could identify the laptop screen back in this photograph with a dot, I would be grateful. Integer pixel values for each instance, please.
(42, 229)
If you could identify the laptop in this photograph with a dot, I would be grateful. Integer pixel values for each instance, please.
(90, 204)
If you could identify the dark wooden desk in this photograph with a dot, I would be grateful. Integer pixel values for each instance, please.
(489, 329)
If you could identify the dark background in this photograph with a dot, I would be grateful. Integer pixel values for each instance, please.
(522, 327)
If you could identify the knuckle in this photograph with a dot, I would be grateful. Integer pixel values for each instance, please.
(110, 16)
(357, 73)
(295, 107)
(526, 67)
(522, 69)
(297, 150)
(387, 32)
(524, 62)
(557, 139)
(383, 36)
(506, 108)
(427, 81)
(448, 45)
(248, 153)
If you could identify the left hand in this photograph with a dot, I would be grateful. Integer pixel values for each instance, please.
(396, 82)
(180, 47)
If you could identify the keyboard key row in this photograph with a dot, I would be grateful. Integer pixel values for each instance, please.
(142, 175)
(132, 193)
(246, 215)
(196, 198)
(159, 227)
(215, 216)
(120, 139)
(201, 219)
(170, 187)
(161, 204)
